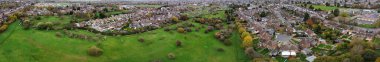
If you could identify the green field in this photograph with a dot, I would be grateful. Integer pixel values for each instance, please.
(325, 8)
(368, 26)
(19, 45)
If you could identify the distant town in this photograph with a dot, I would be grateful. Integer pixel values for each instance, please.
(190, 30)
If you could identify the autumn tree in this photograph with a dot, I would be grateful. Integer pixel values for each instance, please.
(377, 59)
(247, 41)
(242, 29)
(344, 14)
(12, 18)
(309, 22)
(3, 28)
(181, 30)
(175, 19)
(377, 23)
(244, 34)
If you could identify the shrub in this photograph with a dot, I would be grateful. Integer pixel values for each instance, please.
(58, 34)
(242, 29)
(202, 20)
(209, 29)
(171, 56)
(166, 29)
(184, 17)
(3, 28)
(175, 19)
(187, 29)
(244, 34)
(178, 43)
(181, 30)
(95, 51)
(141, 40)
(220, 49)
(197, 29)
(227, 42)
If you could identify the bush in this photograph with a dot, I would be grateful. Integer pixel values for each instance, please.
(141, 40)
(242, 29)
(209, 29)
(187, 29)
(178, 43)
(171, 56)
(175, 19)
(3, 28)
(244, 34)
(227, 42)
(95, 51)
(167, 29)
(181, 30)
(220, 49)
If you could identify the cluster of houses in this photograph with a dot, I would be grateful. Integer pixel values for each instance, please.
(286, 43)
(142, 17)
(4, 12)
(61, 8)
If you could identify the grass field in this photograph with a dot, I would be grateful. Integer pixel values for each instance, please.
(325, 8)
(19, 45)
(367, 26)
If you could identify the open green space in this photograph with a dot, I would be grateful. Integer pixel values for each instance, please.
(19, 45)
(325, 8)
(117, 12)
(368, 26)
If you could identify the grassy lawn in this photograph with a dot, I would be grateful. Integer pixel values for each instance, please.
(18, 45)
(60, 21)
(149, 6)
(367, 26)
(325, 8)
(116, 12)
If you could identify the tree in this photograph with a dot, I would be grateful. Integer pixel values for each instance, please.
(264, 60)
(251, 53)
(95, 51)
(369, 55)
(12, 18)
(184, 17)
(247, 41)
(309, 22)
(326, 59)
(336, 12)
(327, 4)
(181, 30)
(178, 43)
(244, 34)
(377, 23)
(263, 14)
(377, 59)
(306, 16)
(311, 7)
(3, 28)
(344, 14)
(242, 29)
(356, 58)
(175, 19)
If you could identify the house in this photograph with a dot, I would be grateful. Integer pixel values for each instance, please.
(306, 51)
(311, 58)
(288, 53)
(310, 33)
